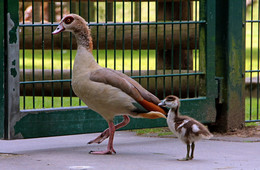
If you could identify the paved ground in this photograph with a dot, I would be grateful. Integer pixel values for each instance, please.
(133, 152)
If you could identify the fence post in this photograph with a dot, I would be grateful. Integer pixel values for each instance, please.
(230, 64)
(12, 89)
(2, 100)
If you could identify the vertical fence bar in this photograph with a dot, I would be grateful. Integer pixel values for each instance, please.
(80, 7)
(188, 49)
(148, 43)
(24, 98)
(164, 45)
(52, 54)
(106, 43)
(156, 47)
(140, 39)
(97, 50)
(70, 56)
(172, 47)
(88, 10)
(2, 69)
(33, 55)
(251, 64)
(180, 53)
(123, 37)
(114, 35)
(196, 48)
(43, 54)
(61, 57)
(132, 20)
(88, 21)
(258, 64)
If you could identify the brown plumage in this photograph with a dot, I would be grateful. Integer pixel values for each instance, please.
(106, 91)
(186, 128)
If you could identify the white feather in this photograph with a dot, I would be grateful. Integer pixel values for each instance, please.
(183, 131)
(195, 128)
(183, 123)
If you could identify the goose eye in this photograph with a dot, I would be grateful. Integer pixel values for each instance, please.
(69, 20)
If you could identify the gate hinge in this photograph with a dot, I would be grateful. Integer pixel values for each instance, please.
(219, 82)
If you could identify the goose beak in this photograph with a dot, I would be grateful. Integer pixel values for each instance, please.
(59, 29)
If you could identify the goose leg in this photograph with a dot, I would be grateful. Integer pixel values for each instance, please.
(192, 150)
(110, 148)
(105, 133)
(187, 155)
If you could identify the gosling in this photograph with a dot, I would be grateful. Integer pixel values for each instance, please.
(187, 129)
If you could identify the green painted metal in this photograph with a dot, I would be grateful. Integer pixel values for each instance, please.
(72, 122)
(40, 123)
(2, 71)
(230, 51)
(12, 63)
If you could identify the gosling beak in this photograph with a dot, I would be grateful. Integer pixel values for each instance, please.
(59, 29)
(162, 104)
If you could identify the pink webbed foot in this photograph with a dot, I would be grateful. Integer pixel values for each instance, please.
(110, 148)
(107, 152)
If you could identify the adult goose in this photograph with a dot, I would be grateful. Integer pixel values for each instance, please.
(187, 129)
(106, 91)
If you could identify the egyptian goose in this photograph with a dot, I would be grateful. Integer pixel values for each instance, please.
(106, 91)
(187, 129)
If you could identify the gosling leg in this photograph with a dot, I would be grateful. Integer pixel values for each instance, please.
(192, 150)
(187, 155)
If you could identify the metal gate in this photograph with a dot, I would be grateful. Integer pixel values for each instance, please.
(252, 61)
(168, 46)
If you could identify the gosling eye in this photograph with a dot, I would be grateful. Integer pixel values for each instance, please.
(170, 99)
(69, 20)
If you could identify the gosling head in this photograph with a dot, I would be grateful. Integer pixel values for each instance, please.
(170, 101)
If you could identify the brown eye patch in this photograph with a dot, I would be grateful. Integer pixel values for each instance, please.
(69, 20)
(170, 98)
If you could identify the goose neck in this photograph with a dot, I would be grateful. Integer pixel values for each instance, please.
(84, 38)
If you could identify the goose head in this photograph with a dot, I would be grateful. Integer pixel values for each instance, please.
(71, 23)
(170, 101)
(78, 26)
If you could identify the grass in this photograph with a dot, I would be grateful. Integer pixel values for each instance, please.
(49, 102)
(153, 131)
(252, 112)
(134, 61)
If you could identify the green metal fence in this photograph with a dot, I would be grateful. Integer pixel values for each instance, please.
(151, 39)
(252, 61)
(168, 46)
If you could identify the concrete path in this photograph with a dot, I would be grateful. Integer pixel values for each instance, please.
(133, 152)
